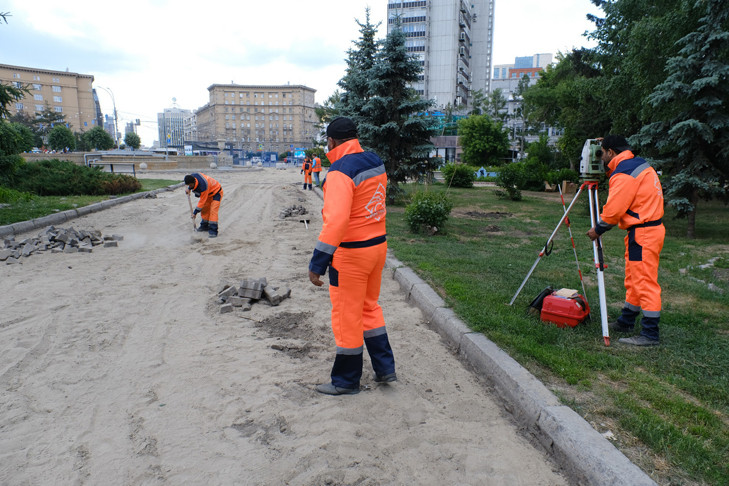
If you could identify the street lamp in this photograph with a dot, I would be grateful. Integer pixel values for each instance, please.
(116, 121)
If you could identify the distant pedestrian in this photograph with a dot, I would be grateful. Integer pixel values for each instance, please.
(306, 170)
(316, 170)
(210, 193)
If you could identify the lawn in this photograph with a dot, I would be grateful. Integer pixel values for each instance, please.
(40, 206)
(668, 406)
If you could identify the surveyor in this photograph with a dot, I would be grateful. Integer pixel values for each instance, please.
(210, 193)
(316, 170)
(635, 204)
(352, 245)
(306, 170)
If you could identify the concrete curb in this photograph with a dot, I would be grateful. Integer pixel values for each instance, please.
(64, 216)
(584, 453)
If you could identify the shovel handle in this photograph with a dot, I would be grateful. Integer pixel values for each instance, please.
(189, 202)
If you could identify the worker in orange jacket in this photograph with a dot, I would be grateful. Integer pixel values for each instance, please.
(635, 204)
(306, 170)
(352, 244)
(316, 170)
(210, 193)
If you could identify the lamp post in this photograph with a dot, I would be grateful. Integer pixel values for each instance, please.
(116, 121)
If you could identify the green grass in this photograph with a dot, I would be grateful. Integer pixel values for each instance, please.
(668, 406)
(40, 206)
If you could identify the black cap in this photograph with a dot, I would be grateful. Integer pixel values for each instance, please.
(342, 128)
(617, 143)
(189, 179)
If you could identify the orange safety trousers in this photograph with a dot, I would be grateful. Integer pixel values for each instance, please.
(354, 294)
(210, 209)
(642, 254)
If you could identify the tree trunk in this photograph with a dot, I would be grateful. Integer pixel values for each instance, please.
(691, 227)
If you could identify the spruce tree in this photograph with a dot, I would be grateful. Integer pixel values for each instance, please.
(394, 123)
(690, 131)
(355, 83)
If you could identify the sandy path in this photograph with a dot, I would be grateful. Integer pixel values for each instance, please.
(117, 368)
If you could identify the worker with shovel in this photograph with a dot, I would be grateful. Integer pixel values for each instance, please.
(210, 193)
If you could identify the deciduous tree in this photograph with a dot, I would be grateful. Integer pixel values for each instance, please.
(132, 140)
(484, 141)
(60, 138)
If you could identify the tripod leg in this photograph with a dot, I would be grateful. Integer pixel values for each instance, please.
(546, 246)
(572, 239)
(599, 263)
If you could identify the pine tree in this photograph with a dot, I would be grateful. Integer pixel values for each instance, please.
(690, 133)
(355, 83)
(394, 124)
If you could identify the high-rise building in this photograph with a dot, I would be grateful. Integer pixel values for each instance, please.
(507, 76)
(453, 40)
(171, 126)
(258, 118)
(70, 94)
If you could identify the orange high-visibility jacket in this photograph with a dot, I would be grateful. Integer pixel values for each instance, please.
(317, 165)
(635, 197)
(205, 188)
(354, 203)
(306, 167)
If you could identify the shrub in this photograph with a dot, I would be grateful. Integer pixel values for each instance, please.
(511, 178)
(11, 195)
(557, 176)
(428, 211)
(63, 178)
(535, 173)
(9, 165)
(459, 175)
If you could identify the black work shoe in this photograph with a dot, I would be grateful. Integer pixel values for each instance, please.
(389, 378)
(330, 389)
(639, 341)
(616, 326)
(203, 227)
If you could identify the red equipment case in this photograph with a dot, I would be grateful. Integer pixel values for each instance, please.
(564, 311)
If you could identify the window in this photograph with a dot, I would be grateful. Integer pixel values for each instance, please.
(56, 89)
(58, 109)
(38, 107)
(57, 99)
(36, 78)
(37, 87)
(38, 97)
(19, 106)
(16, 75)
(56, 80)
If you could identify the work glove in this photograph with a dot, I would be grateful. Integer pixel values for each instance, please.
(194, 213)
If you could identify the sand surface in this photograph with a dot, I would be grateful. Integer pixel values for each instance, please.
(117, 368)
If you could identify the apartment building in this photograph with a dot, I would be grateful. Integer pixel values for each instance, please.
(65, 92)
(453, 40)
(507, 76)
(258, 118)
(171, 126)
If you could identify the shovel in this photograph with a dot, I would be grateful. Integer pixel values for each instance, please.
(195, 237)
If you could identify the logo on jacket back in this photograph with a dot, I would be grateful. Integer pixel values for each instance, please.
(376, 206)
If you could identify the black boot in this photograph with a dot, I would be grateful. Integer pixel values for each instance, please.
(213, 230)
(304, 185)
(204, 226)
(311, 188)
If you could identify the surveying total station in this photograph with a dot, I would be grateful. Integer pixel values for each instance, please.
(591, 168)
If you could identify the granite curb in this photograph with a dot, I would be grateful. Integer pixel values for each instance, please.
(64, 216)
(582, 451)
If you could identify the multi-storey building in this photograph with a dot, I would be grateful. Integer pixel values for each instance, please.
(507, 76)
(453, 40)
(70, 94)
(258, 118)
(171, 126)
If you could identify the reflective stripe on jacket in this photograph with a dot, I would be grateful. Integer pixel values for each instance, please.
(354, 203)
(635, 197)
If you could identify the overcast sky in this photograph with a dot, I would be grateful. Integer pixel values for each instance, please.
(148, 52)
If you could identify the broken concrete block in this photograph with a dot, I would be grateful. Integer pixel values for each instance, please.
(225, 308)
(117, 237)
(226, 293)
(5, 254)
(237, 301)
(84, 249)
(70, 249)
(110, 244)
(251, 289)
(272, 295)
(246, 307)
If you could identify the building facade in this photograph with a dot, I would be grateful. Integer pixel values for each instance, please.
(70, 94)
(171, 126)
(507, 76)
(258, 118)
(453, 40)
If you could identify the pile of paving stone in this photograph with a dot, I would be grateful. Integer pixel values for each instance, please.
(56, 240)
(292, 211)
(248, 293)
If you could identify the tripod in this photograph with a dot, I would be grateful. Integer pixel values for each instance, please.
(598, 257)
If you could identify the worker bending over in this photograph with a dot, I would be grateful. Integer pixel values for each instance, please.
(210, 193)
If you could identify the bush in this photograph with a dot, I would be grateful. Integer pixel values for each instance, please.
(557, 176)
(428, 211)
(64, 178)
(511, 178)
(9, 165)
(11, 195)
(535, 173)
(459, 175)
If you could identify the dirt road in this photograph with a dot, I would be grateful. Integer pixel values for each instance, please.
(117, 368)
